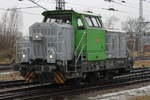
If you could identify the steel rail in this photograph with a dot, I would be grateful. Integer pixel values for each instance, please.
(73, 91)
(49, 90)
(15, 83)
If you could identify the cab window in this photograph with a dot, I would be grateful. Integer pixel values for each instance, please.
(88, 19)
(59, 18)
(80, 24)
(93, 21)
(99, 22)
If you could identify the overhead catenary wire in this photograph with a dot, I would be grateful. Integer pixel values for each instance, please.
(135, 7)
(124, 4)
(29, 7)
(98, 9)
(36, 3)
(24, 12)
(83, 5)
(116, 1)
(121, 11)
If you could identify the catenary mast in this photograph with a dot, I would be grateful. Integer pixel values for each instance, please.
(60, 4)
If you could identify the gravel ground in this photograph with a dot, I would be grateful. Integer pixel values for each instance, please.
(139, 91)
(132, 92)
(140, 63)
(146, 97)
(10, 75)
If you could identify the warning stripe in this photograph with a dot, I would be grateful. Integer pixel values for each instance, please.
(27, 75)
(59, 78)
(56, 80)
(28, 78)
(61, 75)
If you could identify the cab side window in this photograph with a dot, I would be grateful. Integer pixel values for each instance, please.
(93, 21)
(99, 22)
(89, 21)
(95, 24)
(80, 24)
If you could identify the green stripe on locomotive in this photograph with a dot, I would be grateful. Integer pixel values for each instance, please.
(89, 40)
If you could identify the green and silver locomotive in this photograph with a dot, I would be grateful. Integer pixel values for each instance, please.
(72, 45)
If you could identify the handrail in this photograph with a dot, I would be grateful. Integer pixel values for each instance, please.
(80, 53)
(80, 42)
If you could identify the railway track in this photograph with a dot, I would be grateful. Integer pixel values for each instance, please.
(25, 91)
(6, 67)
(15, 83)
(43, 90)
(83, 89)
(142, 69)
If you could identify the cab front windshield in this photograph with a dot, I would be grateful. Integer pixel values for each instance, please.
(59, 18)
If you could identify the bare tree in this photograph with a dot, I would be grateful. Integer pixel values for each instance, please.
(3, 27)
(10, 28)
(15, 23)
(132, 26)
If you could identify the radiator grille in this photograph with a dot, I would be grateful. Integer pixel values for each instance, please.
(56, 36)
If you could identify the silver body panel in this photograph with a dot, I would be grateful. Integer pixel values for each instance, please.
(116, 44)
(22, 48)
(51, 36)
(47, 41)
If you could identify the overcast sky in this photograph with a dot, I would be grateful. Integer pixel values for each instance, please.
(128, 9)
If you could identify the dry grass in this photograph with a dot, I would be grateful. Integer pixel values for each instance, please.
(143, 63)
(7, 56)
(135, 54)
(146, 97)
(11, 76)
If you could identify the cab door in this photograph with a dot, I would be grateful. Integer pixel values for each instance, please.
(80, 36)
(95, 39)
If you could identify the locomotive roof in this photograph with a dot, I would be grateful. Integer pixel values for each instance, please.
(46, 13)
(115, 30)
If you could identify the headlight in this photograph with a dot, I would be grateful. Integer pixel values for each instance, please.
(23, 55)
(109, 56)
(50, 56)
(36, 36)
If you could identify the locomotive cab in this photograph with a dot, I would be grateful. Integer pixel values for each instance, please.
(88, 31)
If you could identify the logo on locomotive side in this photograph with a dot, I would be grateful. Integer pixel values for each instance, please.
(97, 39)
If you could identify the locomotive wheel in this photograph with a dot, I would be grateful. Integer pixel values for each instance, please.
(91, 77)
(125, 70)
(74, 82)
(108, 76)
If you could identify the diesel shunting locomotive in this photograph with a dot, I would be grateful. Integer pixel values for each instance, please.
(72, 45)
